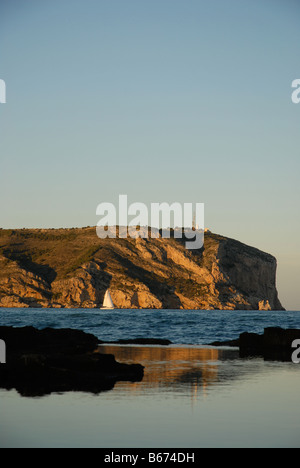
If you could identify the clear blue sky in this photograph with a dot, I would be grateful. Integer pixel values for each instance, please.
(168, 100)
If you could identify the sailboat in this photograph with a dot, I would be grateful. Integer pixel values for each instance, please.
(107, 303)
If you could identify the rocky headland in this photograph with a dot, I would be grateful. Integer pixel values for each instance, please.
(72, 268)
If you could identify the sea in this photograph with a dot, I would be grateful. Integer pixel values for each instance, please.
(193, 395)
(184, 327)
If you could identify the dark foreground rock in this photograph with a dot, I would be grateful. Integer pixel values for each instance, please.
(274, 344)
(39, 362)
(233, 343)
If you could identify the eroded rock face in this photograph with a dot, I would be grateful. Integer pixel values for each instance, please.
(83, 290)
(264, 305)
(21, 287)
(73, 268)
(251, 272)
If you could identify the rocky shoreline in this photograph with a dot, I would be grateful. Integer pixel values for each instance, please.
(274, 344)
(39, 362)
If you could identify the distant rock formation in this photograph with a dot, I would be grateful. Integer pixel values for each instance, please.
(264, 305)
(72, 268)
(143, 341)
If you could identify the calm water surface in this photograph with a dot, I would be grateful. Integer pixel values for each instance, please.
(190, 396)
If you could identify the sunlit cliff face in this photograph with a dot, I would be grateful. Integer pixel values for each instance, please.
(72, 268)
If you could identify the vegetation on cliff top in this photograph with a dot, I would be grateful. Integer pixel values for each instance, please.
(73, 267)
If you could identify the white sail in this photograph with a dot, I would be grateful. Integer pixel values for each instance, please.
(108, 303)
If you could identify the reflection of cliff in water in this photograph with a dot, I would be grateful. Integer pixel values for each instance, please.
(173, 368)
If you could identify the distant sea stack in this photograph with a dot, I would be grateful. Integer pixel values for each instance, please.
(73, 268)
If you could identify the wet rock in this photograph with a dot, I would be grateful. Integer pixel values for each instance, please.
(48, 340)
(145, 341)
(274, 344)
(39, 362)
(233, 343)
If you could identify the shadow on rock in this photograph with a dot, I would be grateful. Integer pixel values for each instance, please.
(275, 344)
(40, 362)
